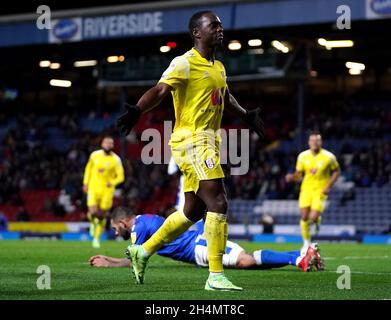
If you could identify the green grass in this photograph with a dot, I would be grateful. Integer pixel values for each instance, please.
(73, 278)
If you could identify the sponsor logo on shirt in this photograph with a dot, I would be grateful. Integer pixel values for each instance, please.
(314, 170)
(217, 97)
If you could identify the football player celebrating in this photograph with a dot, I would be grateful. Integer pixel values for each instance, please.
(197, 82)
(321, 170)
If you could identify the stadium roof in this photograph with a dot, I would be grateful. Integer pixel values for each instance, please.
(14, 12)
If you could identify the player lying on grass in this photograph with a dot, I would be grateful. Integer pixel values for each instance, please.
(191, 247)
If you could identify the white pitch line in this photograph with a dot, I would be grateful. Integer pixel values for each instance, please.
(358, 258)
(365, 257)
(363, 272)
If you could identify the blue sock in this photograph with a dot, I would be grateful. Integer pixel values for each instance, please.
(295, 252)
(273, 259)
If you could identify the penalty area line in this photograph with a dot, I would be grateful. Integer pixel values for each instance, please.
(363, 272)
(358, 258)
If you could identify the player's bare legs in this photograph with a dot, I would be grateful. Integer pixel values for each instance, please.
(97, 220)
(309, 217)
(194, 208)
(92, 211)
(305, 225)
(315, 217)
(246, 261)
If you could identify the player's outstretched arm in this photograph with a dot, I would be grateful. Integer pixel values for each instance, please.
(87, 174)
(147, 102)
(333, 178)
(101, 261)
(251, 117)
(294, 177)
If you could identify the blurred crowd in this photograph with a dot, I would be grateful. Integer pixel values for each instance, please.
(360, 133)
(29, 161)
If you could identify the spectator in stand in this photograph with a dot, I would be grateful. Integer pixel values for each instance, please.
(29, 159)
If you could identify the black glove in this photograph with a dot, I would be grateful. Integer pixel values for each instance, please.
(127, 120)
(254, 121)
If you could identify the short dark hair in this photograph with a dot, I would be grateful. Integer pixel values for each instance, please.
(315, 133)
(194, 21)
(120, 213)
(107, 136)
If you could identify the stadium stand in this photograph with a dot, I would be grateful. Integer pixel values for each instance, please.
(42, 155)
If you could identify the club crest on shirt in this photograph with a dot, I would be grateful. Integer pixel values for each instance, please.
(101, 170)
(209, 163)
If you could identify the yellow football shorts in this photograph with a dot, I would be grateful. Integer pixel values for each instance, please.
(103, 199)
(316, 200)
(197, 162)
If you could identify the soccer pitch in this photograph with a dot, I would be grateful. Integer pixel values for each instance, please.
(73, 278)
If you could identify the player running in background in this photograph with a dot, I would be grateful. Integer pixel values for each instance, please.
(320, 170)
(103, 172)
(191, 247)
(200, 93)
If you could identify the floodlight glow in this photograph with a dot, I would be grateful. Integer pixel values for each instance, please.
(355, 65)
(44, 63)
(165, 49)
(280, 46)
(85, 63)
(112, 59)
(355, 72)
(55, 65)
(234, 45)
(254, 42)
(60, 83)
(335, 43)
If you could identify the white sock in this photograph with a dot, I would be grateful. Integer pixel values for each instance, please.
(215, 273)
(145, 252)
(257, 257)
